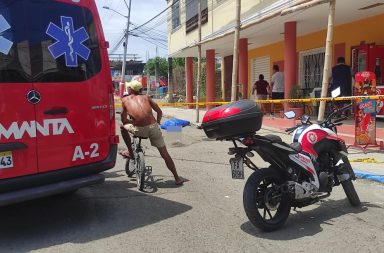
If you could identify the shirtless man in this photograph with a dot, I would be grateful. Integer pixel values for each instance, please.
(141, 122)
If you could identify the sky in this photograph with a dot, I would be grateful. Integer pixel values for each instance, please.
(141, 11)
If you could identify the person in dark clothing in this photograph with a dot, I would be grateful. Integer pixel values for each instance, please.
(262, 89)
(342, 77)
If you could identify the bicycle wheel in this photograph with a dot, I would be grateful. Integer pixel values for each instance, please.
(140, 170)
(129, 169)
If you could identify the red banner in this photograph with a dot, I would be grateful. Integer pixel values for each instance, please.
(365, 109)
(380, 103)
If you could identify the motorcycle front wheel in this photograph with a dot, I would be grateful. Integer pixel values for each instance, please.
(351, 193)
(264, 204)
(348, 186)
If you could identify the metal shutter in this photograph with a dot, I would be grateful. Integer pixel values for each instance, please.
(260, 65)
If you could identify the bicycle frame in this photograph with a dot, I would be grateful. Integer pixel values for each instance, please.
(136, 141)
(140, 168)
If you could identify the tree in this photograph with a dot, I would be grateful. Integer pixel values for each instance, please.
(178, 62)
(162, 66)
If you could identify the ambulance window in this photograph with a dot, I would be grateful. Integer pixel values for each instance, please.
(47, 41)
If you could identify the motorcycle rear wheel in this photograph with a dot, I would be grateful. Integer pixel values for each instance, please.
(351, 193)
(265, 207)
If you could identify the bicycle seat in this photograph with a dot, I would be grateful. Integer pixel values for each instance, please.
(140, 137)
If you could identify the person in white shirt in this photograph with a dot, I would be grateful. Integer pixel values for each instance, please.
(277, 83)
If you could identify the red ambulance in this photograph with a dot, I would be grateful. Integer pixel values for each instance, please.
(57, 123)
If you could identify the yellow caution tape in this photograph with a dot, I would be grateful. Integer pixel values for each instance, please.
(365, 160)
(275, 101)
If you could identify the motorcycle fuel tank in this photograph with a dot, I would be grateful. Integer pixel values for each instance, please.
(235, 119)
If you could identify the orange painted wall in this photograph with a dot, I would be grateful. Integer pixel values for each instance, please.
(369, 30)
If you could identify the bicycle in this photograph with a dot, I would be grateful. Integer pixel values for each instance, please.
(139, 167)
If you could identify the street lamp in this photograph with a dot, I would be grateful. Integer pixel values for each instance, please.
(126, 38)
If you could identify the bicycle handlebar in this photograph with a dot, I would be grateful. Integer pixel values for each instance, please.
(290, 129)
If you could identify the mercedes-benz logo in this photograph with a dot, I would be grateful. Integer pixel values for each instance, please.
(33, 97)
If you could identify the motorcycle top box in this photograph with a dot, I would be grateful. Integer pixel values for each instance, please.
(234, 119)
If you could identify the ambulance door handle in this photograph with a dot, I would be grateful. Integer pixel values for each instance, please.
(12, 146)
(56, 110)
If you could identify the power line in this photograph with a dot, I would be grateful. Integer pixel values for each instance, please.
(143, 28)
(154, 17)
(163, 47)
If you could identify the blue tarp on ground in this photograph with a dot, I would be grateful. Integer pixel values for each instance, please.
(369, 176)
(174, 122)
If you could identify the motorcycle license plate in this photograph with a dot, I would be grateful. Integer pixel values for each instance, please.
(6, 160)
(237, 168)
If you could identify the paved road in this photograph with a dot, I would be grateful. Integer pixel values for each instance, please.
(204, 215)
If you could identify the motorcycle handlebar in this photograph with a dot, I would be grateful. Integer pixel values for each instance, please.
(340, 119)
(345, 107)
(328, 119)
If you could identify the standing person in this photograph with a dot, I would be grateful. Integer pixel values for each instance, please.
(141, 122)
(341, 77)
(262, 89)
(277, 84)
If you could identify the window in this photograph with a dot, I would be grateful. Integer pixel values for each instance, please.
(175, 14)
(191, 7)
(311, 69)
(29, 58)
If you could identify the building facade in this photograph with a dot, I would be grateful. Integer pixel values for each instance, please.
(289, 33)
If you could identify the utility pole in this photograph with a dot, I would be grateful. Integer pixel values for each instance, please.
(170, 80)
(126, 44)
(198, 60)
(156, 72)
(327, 59)
(148, 75)
(235, 66)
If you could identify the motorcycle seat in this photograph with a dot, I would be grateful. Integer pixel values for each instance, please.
(296, 146)
(273, 137)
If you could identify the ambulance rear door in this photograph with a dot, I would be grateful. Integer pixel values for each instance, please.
(73, 77)
(18, 144)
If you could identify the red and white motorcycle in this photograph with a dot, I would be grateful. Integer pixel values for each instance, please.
(299, 174)
(327, 152)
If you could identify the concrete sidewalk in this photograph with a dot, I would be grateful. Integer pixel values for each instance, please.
(367, 165)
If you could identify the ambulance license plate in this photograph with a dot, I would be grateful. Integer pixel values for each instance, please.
(237, 168)
(6, 160)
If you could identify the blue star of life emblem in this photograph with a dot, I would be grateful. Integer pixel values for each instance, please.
(68, 41)
(5, 45)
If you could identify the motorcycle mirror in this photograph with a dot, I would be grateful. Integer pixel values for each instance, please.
(290, 114)
(305, 119)
(336, 92)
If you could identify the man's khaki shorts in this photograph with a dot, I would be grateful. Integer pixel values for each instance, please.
(153, 132)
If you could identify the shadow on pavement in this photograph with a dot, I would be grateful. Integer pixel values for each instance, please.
(92, 213)
(308, 223)
(152, 184)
